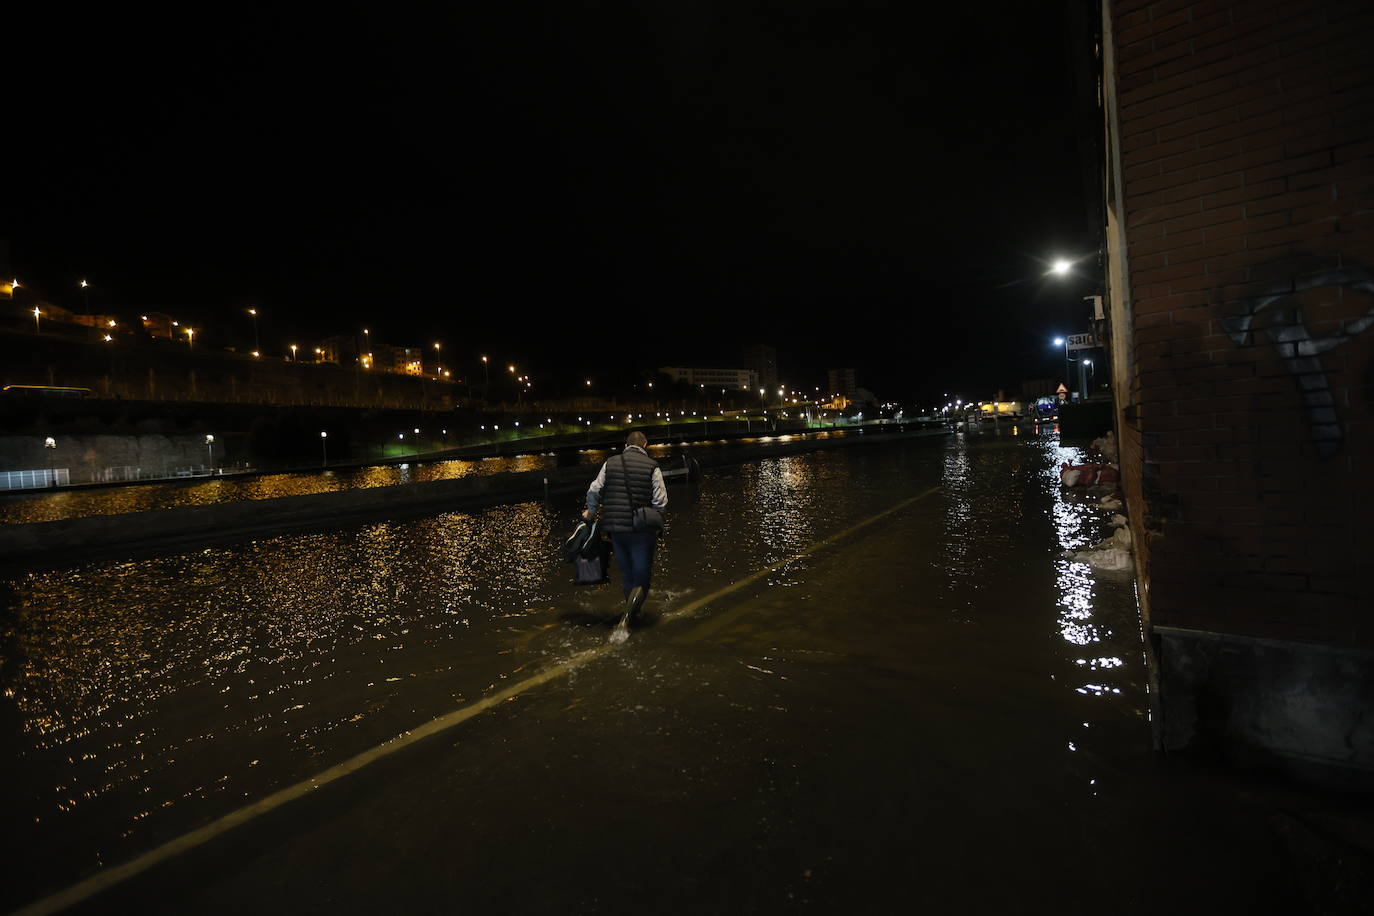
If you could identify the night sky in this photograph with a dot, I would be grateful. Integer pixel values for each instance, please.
(571, 185)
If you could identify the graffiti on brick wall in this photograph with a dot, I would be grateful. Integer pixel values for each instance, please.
(1299, 349)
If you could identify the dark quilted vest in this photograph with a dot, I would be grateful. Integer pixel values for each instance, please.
(616, 513)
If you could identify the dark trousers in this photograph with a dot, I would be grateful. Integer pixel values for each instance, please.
(635, 550)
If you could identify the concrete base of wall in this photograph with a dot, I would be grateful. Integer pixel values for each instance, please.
(1304, 710)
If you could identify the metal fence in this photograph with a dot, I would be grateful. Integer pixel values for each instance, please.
(33, 480)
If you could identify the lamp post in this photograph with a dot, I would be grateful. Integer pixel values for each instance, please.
(1064, 341)
(50, 446)
(253, 313)
(86, 293)
(324, 449)
(438, 362)
(293, 353)
(1088, 364)
(36, 313)
(209, 451)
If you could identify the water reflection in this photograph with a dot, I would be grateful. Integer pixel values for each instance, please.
(46, 507)
(131, 680)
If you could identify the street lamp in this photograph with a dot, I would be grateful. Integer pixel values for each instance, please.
(190, 337)
(293, 353)
(36, 313)
(256, 345)
(324, 448)
(86, 292)
(50, 446)
(438, 361)
(1065, 342)
(210, 450)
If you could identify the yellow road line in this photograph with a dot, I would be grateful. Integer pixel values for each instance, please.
(110, 877)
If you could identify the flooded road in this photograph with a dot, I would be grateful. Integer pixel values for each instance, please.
(934, 705)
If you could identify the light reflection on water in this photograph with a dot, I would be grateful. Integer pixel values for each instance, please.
(995, 485)
(46, 507)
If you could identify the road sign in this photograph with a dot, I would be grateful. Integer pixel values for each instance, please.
(1083, 341)
(1062, 389)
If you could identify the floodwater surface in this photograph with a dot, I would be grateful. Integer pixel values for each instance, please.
(938, 702)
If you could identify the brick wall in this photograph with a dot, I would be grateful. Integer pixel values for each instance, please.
(1246, 144)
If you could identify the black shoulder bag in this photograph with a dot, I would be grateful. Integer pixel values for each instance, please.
(646, 518)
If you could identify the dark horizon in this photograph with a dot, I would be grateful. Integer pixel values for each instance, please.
(877, 187)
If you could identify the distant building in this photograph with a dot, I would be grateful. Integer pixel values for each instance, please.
(341, 349)
(157, 324)
(763, 361)
(842, 382)
(398, 360)
(732, 379)
(105, 323)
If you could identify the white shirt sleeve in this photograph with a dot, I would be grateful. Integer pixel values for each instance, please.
(660, 497)
(594, 491)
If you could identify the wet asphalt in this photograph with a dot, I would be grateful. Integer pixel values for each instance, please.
(934, 710)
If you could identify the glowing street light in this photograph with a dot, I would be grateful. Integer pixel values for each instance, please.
(324, 448)
(210, 450)
(50, 446)
(257, 345)
(293, 353)
(36, 313)
(1061, 267)
(190, 337)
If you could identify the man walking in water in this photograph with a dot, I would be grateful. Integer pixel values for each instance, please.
(626, 482)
